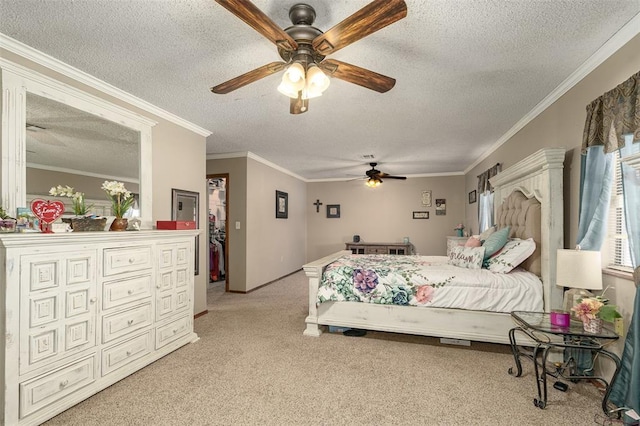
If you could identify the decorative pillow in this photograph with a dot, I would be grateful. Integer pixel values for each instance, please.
(467, 257)
(514, 252)
(473, 242)
(495, 242)
(485, 234)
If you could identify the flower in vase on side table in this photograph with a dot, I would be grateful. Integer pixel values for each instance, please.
(593, 310)
(121, 201)
(80, 208)
(459, 228)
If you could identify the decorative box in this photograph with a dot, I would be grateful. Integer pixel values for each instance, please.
(176, 224)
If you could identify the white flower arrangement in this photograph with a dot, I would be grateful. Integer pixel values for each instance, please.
(80, 208)
(121, 198)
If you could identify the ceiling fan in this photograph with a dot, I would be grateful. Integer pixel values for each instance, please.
(375, 176)
(304, 47)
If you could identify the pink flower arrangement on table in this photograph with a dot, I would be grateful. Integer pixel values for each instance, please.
(459, 227)
(590, 308)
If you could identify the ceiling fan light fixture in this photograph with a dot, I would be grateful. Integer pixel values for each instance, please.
(373, 182)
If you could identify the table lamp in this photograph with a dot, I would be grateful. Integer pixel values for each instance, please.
(580, 270)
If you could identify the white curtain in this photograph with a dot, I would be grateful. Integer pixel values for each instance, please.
(485, 211)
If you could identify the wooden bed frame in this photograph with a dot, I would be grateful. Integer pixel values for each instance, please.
(540, 175)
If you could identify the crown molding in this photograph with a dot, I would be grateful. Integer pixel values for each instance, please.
(60, 67)
(611, 46)
(251, 155)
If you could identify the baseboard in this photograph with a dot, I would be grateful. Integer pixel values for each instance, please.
(198, 315)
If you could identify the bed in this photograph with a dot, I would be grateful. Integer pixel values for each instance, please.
(528, 199)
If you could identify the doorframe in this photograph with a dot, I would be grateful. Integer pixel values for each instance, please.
(226, 224)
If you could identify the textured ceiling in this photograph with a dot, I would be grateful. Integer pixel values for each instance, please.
(467, 71)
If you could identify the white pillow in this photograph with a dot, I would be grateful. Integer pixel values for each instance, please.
(514, 252)
(467, 257)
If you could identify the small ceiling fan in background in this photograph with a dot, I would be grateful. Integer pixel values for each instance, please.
(304, 47)
(375, 176)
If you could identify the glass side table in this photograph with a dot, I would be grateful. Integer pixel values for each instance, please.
(571, 340)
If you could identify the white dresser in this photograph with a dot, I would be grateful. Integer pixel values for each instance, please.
(81, 311)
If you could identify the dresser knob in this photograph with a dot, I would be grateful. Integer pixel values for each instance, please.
(130, 291)
(128, 353)
(64, 384)
(131, 260)
(130, 322)
(92, 300)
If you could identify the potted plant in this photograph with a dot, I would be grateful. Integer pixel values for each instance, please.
(592, 311)
(121, 201)
(82, 221)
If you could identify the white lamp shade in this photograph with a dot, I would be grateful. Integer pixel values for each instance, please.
(579, 269)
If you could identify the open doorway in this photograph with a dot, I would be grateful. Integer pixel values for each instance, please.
(217, 233)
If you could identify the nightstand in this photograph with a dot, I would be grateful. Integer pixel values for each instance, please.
(571, 339)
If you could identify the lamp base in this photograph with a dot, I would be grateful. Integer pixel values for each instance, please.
(571, 298)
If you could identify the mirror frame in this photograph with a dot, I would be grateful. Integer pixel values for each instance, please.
(16, 81)
(176, 194)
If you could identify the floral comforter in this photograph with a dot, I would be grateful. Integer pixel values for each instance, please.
(428, 281)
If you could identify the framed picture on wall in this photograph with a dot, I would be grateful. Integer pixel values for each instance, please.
(333, 211)
(472, 197)
(441, 206)
(282, 205)
(421, 215)
(426, 198)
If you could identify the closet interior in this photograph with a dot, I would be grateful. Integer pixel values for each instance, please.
(217, 228)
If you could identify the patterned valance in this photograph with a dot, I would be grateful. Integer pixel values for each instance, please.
(483, 179)
(614, 115)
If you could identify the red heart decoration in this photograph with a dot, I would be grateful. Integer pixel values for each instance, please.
(47, 211)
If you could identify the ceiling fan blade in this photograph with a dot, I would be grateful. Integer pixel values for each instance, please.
(371, 18)
(260, 22)
(249, 77)
(356, 75)
(299, 105)
(393, 177)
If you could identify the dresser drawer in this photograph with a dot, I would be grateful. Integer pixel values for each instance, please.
(172, 331)
(49, 388)
(116, 293)
(127, 259)
(376, 250)
(125, 322)
(126, 352)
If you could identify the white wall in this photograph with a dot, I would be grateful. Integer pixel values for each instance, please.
(384, 214)
(275, 247)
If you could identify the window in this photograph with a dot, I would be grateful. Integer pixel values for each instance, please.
(619, 255)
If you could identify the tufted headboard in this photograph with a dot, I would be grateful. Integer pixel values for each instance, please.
(523, 216)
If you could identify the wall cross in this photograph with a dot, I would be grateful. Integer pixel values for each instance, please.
(317, 204)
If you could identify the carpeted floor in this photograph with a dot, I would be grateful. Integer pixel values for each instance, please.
(253, 366)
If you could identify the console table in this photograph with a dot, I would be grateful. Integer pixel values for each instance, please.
(379, 248)
(571, 340)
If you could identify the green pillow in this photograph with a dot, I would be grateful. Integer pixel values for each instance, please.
(495, 242)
